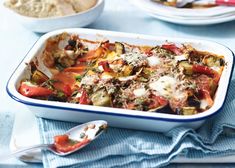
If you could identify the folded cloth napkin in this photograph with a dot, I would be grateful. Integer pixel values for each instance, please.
(131, 148)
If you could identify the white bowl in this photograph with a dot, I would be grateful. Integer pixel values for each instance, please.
(120, 117)
(43, 25)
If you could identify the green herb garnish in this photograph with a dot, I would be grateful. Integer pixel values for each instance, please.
(78, 78)
(60, 94)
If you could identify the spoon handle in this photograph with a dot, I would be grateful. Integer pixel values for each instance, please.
(23, 150)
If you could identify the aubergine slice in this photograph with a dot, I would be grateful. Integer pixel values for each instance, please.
(163, 109)
(119, 48)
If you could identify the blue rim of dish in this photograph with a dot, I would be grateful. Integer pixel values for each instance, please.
(115, 114)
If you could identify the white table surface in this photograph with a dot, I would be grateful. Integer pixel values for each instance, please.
(118, 15)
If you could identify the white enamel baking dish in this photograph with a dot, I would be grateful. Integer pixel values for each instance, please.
(120, 117)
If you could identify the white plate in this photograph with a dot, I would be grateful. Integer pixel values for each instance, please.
(206, 16)
(43, 25)
(119, 117)
(157, 8)
(196, 22)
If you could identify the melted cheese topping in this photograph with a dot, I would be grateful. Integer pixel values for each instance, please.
(203, 104)
(133, 58)
(180, 58)
(165, 86)
(89, 79)
(139, 92)
(106, 76)
(153, 61)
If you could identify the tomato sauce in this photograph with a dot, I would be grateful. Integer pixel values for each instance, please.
(63, 144)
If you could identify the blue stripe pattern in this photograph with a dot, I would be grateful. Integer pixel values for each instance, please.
(129, 148)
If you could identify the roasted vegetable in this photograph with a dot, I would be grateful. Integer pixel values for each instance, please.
(207, 71)
(38, 77)
(30, 90)
(72, 43)
(213, 61)
(84, 99)
(189, 110)
(173, 48)
(101, 98)
(194, 102)
(127, 70)
(119, 47)
(188, 68)
(105, 66)
(165, 109)
(59, 98)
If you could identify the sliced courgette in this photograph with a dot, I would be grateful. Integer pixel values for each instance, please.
(188, 68)
(189, 110)
(119, 48)
(101, 98)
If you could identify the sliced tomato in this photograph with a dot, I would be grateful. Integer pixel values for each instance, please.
(67, 90)
(30, 90)
(203, 69)
(105, 66)
(157, 101)
(173, 48)
(84, 99)
(207, 71)
(203, 85)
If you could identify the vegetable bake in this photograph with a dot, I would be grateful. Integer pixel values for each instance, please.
(167, 78)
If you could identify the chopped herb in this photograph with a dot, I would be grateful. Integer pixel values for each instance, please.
(78, 78)
(60, 94)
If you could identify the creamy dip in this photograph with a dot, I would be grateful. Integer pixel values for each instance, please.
(49, 8)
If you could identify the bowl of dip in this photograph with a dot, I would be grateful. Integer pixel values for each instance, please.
(45, 16)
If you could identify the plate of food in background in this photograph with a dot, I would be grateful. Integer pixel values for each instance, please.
(187, 12)
(44, 16)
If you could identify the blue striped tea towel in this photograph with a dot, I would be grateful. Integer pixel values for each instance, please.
(130, 148)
